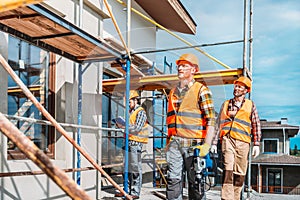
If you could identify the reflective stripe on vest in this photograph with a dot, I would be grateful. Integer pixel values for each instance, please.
(142, 136)
(240, 126)
(188, 122)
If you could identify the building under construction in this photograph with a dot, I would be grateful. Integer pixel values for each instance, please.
(65, 69)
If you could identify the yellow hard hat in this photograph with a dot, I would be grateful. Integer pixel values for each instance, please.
(191, 58)
(133, 94)
(245, 81)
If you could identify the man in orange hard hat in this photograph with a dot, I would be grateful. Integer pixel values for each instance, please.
(190, 121)
(238, 121)
(138, 135)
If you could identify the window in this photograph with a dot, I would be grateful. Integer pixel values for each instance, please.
(31, 64)
(112, 142)
(274, 180)
(270, 145)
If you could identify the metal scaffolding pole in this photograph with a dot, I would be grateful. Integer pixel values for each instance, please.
(79, 122)
(79, 119)
(245, 39)
(250, 70)
(127, 124)
(128, 63)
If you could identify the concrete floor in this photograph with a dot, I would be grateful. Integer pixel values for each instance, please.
(148, 193)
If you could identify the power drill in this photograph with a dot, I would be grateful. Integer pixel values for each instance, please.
(203, 167)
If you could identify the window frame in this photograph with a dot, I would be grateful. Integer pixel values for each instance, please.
(264, 145)
(50, 63)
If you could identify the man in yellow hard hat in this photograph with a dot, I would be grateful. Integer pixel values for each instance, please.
(138, 135)
(191, 122)
(238, 121)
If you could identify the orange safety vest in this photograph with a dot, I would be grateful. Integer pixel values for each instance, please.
(188, 121)
(142, 136)
(240, 127)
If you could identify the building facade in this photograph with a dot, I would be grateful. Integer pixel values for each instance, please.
(274, 170)
(63, 57)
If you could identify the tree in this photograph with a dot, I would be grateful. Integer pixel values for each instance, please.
(295, 150)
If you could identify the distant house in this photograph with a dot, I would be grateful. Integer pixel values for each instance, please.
(274, 170)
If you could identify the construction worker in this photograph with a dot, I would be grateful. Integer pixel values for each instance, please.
(237, 122)
(138, 135)
(190, 121)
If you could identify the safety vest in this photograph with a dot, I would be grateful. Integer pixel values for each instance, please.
(188, 121)
(240, 126)
(142, 136)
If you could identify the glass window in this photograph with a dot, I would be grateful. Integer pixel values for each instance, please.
(270, 146)
(112, 141)
(31, 64)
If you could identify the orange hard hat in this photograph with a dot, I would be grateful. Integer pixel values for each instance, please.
(246, 81)
(133, 94)
(191, 58)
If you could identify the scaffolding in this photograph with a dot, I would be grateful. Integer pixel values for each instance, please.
(63, 40)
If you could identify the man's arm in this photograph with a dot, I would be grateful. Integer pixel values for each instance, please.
(210, 134)
(256, 131)
(204, 148)
(256, 128)
(208, 109)
(139, 123)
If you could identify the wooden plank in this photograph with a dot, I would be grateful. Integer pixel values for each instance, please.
(158, 82)
(50, 32)
(41, 160)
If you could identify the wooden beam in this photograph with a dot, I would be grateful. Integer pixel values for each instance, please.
(41, 159)
(157, 82)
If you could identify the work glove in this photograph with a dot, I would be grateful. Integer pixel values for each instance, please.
(214, 148)
(204, 149)
(255, 151)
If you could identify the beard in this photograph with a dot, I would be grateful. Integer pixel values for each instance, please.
(238, 93)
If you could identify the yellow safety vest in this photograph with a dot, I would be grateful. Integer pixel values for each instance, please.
(188, 121)
(240, 126)
(142, 136)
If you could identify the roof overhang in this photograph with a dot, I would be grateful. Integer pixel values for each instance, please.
(158, 82)
(169, 13)
(43, 28)
(273, 164)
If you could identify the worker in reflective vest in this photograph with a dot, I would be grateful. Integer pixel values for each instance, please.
(138, 135)
(238, 122)
(143, 134)
(190, 121)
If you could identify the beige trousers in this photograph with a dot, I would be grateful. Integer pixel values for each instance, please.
(235, 155)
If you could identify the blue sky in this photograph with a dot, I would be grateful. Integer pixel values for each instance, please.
(276, 50)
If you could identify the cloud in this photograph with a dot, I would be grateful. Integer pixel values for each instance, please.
(292, 17)
(276, 30)
(266, 63)
(277, 15)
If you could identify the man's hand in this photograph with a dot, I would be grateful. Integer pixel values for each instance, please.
(255, 151)
(214, 148)
(120, 126)
(204, 149)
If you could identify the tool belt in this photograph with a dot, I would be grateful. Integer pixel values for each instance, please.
(187, 142)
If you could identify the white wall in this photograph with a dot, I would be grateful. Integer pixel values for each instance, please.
(40, 186)
(142, 32)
